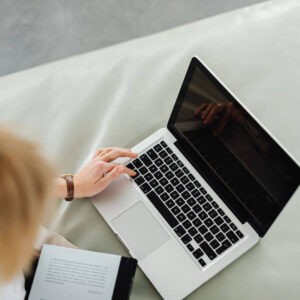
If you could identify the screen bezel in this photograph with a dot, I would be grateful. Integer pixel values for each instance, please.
(219, 187)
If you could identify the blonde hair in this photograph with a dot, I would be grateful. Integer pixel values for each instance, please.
(25, 186)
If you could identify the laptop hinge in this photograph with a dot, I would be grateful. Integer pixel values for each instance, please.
(216, 184)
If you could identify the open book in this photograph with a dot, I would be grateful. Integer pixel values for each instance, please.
(66, 273)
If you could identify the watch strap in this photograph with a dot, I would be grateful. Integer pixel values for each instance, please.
(70, 186)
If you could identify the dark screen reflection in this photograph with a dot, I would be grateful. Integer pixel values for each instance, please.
(236, 148)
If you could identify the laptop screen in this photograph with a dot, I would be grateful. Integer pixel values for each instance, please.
(257, 172)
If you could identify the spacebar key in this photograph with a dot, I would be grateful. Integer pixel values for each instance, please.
(208, 251)
(155, 200)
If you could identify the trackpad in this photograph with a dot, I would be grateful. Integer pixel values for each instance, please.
(140, 230)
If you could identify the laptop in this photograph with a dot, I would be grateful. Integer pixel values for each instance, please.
(207, 188)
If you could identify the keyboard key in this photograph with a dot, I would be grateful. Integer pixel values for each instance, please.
(221, 212)
(146, 160)
(214, 229)
(163, 143)
(239, 234)
(226, 244)
(192, 231)
(159, 205)
(202, 215)
(175, 210)
(168, 160)
(197, 184)
(187, 224)
(159, 190)
(170, 203)
(224, 227)
(148, 176)
(220, 236)
(202, 229)
(208, 197)
(174, 181)
(218, 220)
(163, 154)
(185, 170)
(198, 238)
(158, 175)
(174, 156)
(158, 162)
(202, 262)
(197, 222)
(185, 208)
(212, 213)
(169, 188)
(191, 215)
(195, 193)
(153, 183)
(207, 207)
(143, 170)
(174, 195)
(214, 204)
(137, 163)
(208, 251)
(190, 247)
(169, 150)
(184, 179)
(140, 180)
(174, 167)
(232, 237)
(215, 244)
(227, 219)
(208, 236)
(130, 166)
(180, 201)
(191, 177)
(163, 181)
(157, 148)
(181, 217)
(233, 227)
(179, 230)
(191, 201)
(169, 175)
(201, 200)
(196, 208)
(164, 168)
(203, 190)
(180, 188)
(198, 253)
(208, 222)
(151, 153)
(186, 239)
(153, 169)
(145, 188)
(220, 250)
(180, 164)
(186, 195)
(164, 196)
(190, 186)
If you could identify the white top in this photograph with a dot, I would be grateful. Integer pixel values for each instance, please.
(13, 289)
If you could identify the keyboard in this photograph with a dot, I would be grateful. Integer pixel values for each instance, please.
(197, 220)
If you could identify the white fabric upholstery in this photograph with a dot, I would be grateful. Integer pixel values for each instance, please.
(118, 95)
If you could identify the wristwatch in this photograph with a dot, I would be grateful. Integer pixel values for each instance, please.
(70, 186)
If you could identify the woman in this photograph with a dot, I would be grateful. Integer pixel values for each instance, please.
(27, 186)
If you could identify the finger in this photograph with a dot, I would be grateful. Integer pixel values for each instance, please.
(210, 117)
(118, 152)
(222, 124)
(198, 110)
(207, 110)
(111, 176)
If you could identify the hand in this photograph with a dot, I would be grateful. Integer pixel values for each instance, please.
(98, 173)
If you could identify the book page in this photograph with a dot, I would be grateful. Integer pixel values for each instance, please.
(65, 273)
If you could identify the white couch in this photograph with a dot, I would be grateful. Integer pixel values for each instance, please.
(118, 95)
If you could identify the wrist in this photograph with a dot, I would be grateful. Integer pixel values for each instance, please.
(60, 188)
